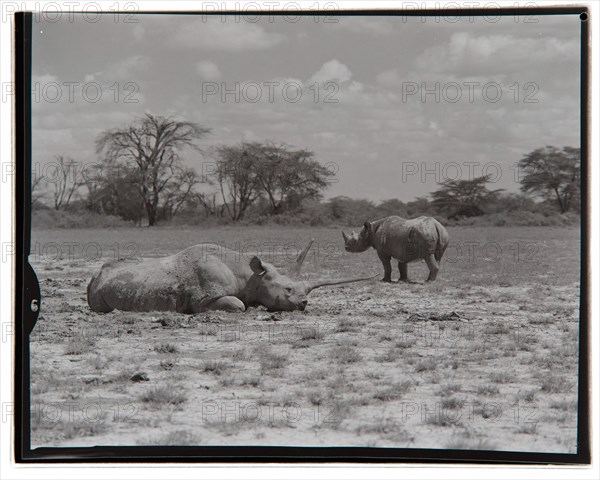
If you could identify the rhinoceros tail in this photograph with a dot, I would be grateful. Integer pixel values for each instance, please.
(442, 241)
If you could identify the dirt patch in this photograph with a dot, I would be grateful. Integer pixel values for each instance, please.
(485, 357)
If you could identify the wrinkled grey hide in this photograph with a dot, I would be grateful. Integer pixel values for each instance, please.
(201, 277)
(404, 240)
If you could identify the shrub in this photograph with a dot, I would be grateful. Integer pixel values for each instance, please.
(49, 218)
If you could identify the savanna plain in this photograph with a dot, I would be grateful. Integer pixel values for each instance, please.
(485, 357)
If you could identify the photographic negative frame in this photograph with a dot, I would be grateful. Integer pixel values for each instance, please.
(31, 302)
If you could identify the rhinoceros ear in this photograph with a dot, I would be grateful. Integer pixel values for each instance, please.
(367, 225)
(257, 266)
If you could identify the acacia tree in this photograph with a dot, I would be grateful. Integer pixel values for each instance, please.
(553, 173)
(464, 197)
(350, 211)
(151, 146)
(36, 193)
(113, 190)
(236, 176)
(179, 191)
(288, 176)
(392, 206)
(280, 175)
(419, 206)
(208, 201)
(65, 179)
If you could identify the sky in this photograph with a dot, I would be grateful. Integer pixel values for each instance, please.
(392, 105)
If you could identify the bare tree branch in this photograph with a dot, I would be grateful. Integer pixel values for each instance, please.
(153, 145)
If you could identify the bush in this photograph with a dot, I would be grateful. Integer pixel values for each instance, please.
(519, 218)
(49, 218)
(338, 212)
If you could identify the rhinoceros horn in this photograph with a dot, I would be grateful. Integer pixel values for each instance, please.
(323, 283)
(345, 236)
(295, 271)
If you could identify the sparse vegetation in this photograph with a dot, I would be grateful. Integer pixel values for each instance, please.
(215, 366)
(388, 428)
(166, 348)
(311, 333)
(488, 389)
(556, 384)
(527, 395)
(442, 420)
(272, 361)
(346, 354)
(79, 346)
(345, 325)
(426, 365)
(392, 392)
(452, 402)
(123, 376)
(470, 444)
(449, 389)
(564, 404)
(250, 380)
(178, 437)
(66, 429)
(390, 355)
(407, 343)
(502, 377)
(341, 380)
(527, 428)
(99, 362)
(167, 364)
(163, 395)
(316, 397)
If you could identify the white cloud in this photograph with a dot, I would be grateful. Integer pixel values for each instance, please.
(333, 70)
(227, 36)
(363, 25)
(366, 117)
(470, 54)
(356, 87)
(128, 69)
(90, 77)
(389, 78)
(249, 136)
(208, 70)
(283, 81)
(435, 127)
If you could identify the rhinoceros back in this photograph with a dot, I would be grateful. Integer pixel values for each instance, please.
(166, 283)
(406, 240)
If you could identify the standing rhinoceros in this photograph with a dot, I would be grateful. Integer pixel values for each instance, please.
(404, 240)
(201, 277)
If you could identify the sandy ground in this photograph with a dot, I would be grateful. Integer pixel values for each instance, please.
(486, 357)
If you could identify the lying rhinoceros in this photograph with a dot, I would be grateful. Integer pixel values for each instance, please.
(404, 240)
(201, 277)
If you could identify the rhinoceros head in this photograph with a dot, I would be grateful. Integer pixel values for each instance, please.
(280, 292)
(358, 242)
(275, 291)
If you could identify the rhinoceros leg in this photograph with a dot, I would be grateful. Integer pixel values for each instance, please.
(195, 300)
(403, 269)
(227, 304)
(433, 267)
(386, 260)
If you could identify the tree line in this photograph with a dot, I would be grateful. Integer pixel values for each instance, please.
(141, 177)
